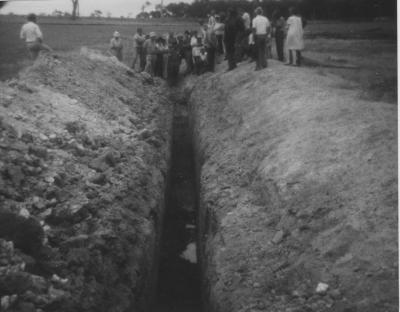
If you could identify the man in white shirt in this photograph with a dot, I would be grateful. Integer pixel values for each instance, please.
(261, 31)
(30, 32)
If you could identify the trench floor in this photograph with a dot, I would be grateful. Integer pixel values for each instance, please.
(179, 285)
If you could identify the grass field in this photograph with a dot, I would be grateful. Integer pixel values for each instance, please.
(370, 47)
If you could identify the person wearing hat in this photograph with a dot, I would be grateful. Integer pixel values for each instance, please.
(150, 48)
(116, 46)
(31, 33)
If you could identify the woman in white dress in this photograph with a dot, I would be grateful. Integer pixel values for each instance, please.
(294, 38)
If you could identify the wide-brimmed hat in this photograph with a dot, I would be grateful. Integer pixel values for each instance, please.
(116, 34)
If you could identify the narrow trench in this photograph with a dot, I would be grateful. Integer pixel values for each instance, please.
(179, 284)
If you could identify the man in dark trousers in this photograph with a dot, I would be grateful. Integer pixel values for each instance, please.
(261, 31)
(234, 26)
(279, 25)
(210, 43)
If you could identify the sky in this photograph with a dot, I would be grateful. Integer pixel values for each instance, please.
(117, 8)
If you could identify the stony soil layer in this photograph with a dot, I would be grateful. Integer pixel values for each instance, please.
(297, 193)
(84, 153)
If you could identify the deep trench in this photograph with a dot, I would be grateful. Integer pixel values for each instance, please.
(179, 282)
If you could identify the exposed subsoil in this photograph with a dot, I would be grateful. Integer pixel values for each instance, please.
(179, 282)
(294, 179)
(84, 155)
(297, 192)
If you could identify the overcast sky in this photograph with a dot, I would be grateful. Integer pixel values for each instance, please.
(115, 7)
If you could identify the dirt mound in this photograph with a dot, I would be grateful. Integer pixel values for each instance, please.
(84, 145)
(298, 193)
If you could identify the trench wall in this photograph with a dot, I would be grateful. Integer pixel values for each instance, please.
(84, 156)
(297, 182)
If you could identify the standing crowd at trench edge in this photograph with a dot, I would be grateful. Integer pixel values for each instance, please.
(234, 37)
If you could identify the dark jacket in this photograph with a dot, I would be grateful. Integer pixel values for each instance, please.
(234, 26)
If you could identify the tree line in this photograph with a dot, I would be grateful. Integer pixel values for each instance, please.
(311, 9)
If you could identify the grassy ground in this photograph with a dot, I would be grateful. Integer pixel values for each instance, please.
(370, 47)
(374, 64)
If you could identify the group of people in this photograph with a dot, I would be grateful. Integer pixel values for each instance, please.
(252, 38)
(234, 37)
(162, 55)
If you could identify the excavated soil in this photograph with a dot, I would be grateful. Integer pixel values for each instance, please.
(294, 177)
(297, 192)
(84, 157)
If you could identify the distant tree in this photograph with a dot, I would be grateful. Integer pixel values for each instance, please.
(75, 9)
(178, 9)
(155, 14)
(314, 9)
(108, 14)
(96, 14)
(143, 15)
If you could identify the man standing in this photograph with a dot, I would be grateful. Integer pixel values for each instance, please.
(210, 43)
(138, 40)
(279, 25)
(261, 30)
(30, 32)
(234, 26)
(116, 46)
(187, 52)
(150, 49)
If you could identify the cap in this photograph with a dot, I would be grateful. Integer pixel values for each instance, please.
(116, 34)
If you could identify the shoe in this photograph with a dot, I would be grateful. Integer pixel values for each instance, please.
(288, 64)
